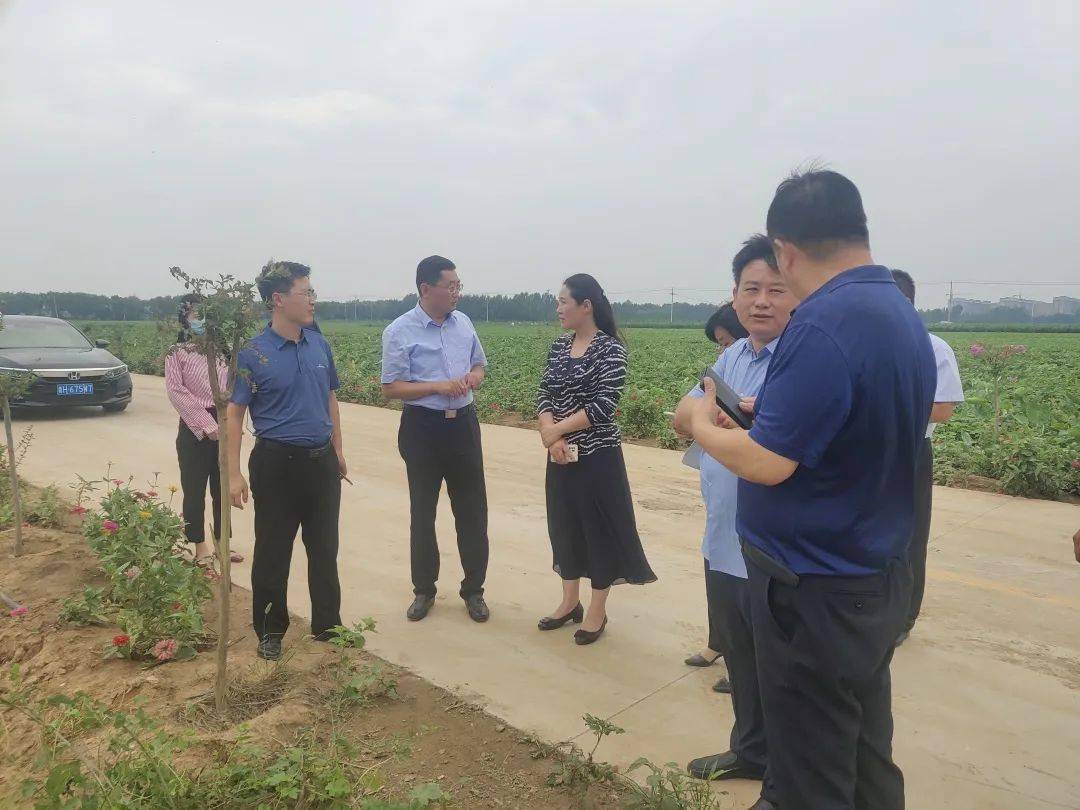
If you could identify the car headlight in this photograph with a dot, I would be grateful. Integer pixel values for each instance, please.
(116, 373)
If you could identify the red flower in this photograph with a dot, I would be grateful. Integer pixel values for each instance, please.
(151, 494)
(109, 527)
(1076, 464)
(121, 640)
(19, 611)
(118, 482)
(76, 510)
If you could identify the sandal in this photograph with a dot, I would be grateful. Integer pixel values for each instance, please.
(206, 561)
(237, 558)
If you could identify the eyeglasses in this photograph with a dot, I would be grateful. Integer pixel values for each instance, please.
(456, 287)
(309, 293)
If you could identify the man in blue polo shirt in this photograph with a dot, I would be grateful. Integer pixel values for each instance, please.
(826, 501)
(288, 381)
(432, 360)
(763, 304)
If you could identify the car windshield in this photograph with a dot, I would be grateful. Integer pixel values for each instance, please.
(41, 335)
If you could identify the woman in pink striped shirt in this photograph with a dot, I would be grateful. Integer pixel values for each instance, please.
(188, 385)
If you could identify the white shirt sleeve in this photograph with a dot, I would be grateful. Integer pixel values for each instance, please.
(949, 388)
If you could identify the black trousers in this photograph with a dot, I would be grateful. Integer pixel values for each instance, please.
(823, 652)
(920, 535)
(294, 488)
(729, 614)
(198, 467)
(437, 449)
(712, 598)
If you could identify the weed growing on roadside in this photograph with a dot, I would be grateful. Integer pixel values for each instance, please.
(90, 608)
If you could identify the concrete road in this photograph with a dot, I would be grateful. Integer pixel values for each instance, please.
(986, 692)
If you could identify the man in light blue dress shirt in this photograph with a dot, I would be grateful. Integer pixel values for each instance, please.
(432, 360)
(763, 304)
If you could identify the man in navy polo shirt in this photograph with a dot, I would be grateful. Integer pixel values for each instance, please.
(826, 501)
(297, 464)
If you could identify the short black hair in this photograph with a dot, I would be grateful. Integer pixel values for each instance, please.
(430, 270)
(757, 247)
(906, 284)
(279, 277)
(818, 211)
(725, 318)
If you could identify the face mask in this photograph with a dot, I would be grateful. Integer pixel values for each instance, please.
(198, 326)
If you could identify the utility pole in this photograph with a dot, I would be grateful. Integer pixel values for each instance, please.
(671, 316)
(948, 313)
(487, 307)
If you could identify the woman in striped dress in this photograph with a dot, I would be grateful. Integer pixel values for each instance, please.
(589, 510)
(188, 386)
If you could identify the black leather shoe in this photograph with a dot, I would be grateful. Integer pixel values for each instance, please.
(478, 609)
(699, 660)
(576, 616)
(583, 637)
(420, 607)
(724, 766)
(763, 804)
(270, 649)
(723, 686)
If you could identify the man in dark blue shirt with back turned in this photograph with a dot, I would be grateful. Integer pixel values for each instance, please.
(826, 502)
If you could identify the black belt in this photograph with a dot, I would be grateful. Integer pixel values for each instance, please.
(774, 568)
(452, 413)
(310, 452)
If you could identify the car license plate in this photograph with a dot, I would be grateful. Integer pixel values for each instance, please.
(74, 389)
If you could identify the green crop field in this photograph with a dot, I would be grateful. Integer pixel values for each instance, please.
(1029, 444)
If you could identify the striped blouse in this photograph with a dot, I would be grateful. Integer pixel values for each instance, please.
(592, 383)
(188, 387)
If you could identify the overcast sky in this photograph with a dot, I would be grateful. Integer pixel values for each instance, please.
(640, 142)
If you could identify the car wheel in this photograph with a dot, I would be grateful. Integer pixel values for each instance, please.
(116, 407)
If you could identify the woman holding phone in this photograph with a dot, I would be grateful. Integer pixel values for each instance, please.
(589, 510)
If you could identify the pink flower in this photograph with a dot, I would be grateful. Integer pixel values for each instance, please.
(977, 350)
(121, 640)
(210, 574)
(19, 612)
(118, 482)
(140, 496)
(109, 527)
(1076, 464)
(76, 510)
(133, 572)
(151, 494)
(164, 650)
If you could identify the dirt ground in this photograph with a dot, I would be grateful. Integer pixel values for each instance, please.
(986, 692)
(427, 735)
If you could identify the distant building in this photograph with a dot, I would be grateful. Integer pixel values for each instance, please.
(1066, 305)
(970, 308)
(1036, 309)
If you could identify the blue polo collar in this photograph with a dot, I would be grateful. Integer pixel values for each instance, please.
(279, 341)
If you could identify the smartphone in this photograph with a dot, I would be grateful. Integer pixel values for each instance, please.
(571, 453)
(728, 400)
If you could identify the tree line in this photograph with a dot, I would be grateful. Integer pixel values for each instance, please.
(522, 307)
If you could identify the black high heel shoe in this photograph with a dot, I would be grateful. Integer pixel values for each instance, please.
(576, 616)
(582, 637)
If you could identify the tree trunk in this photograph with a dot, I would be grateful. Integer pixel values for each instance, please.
(15, 499)
(221, 404)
